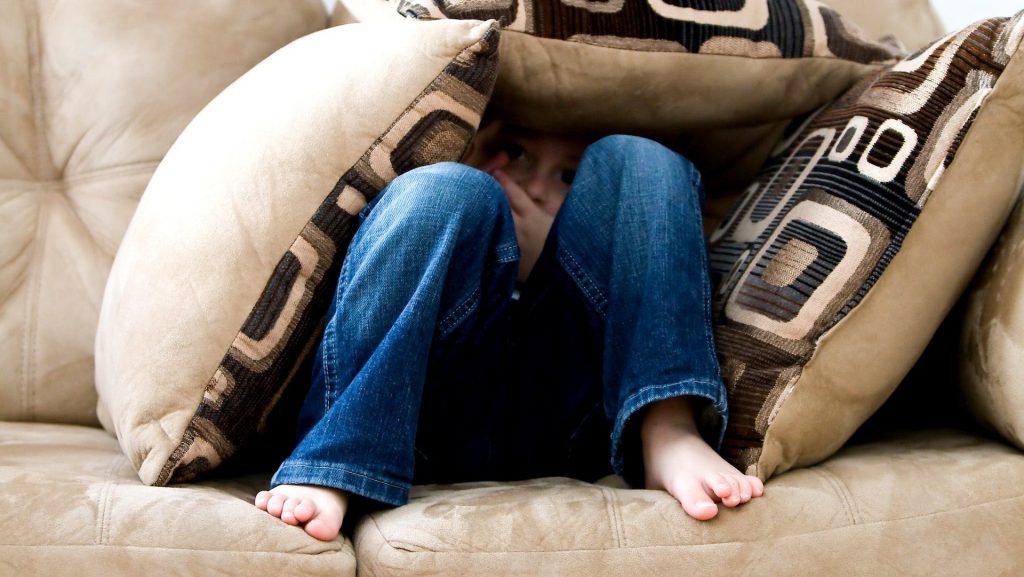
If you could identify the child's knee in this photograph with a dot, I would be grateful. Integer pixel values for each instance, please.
(428, 201)
(450, 188)
(637, 150)
(657, 172)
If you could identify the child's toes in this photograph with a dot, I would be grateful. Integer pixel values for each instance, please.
(326, 525)
(288, 511)
(756, 486)
(734, 497)
(718, 485)
(261, 500)
(695, 501)
(746, 492)
(304, 511)
(322, 530)
(276, 504)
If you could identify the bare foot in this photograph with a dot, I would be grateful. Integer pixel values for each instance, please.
(677, 460)
(320, 510)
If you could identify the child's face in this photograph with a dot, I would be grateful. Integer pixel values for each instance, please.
(542, 164)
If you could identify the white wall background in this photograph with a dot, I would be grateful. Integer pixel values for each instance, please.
(956, 14)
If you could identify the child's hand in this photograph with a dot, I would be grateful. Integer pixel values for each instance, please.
(532, 223)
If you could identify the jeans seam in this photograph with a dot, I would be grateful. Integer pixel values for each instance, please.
(705, 288)
(505, 253)
(331, 350)
(508, 253)
(328, 364)
(594, 296)
(308, 465)
(647, 388)
(459, 313)
(303, 472)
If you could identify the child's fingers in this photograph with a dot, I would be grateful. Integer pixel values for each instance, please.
(496, 162)
(517, 197)
(522, 204)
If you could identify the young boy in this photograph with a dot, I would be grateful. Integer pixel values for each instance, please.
(509, 318)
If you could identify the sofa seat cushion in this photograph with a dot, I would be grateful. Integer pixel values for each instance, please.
(939, 502)
(72, 503)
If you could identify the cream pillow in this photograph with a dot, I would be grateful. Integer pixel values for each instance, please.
(845, 255)
(230, 261)
(913, 23)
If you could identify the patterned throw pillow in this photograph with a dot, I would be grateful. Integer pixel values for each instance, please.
(231, 259)
(721, 79)
(844, 256)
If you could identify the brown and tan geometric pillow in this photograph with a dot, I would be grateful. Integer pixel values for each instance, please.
(229, 264)
(845, 255)
(720, 80)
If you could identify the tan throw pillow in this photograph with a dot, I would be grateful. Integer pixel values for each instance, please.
(846, 254)
(991, 355)
(722, 82)
(229, 263)
(912, 23)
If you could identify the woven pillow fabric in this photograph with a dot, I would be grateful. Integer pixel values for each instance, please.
(229, 264)
(845, 255)
(719, 80)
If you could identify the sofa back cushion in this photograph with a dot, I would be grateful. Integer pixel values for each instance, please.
(991, 356)
(228, 267)
(845, 255)
(93, 95)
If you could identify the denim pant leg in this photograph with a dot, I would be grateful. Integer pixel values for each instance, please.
(630, 238)
(435, 246)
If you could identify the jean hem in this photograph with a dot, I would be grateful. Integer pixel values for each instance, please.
(346, 479)
(713, 391)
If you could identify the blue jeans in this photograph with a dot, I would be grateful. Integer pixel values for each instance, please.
(431, 371)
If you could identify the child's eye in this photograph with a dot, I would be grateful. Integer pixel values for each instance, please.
(568, 176)
(513, 150)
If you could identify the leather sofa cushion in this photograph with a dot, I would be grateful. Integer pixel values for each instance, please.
(73, 505)
(841, 261)
(991, 355)
(223, 278)
(937, 502)
(93, 95)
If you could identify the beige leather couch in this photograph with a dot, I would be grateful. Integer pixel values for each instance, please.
(94, 93)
